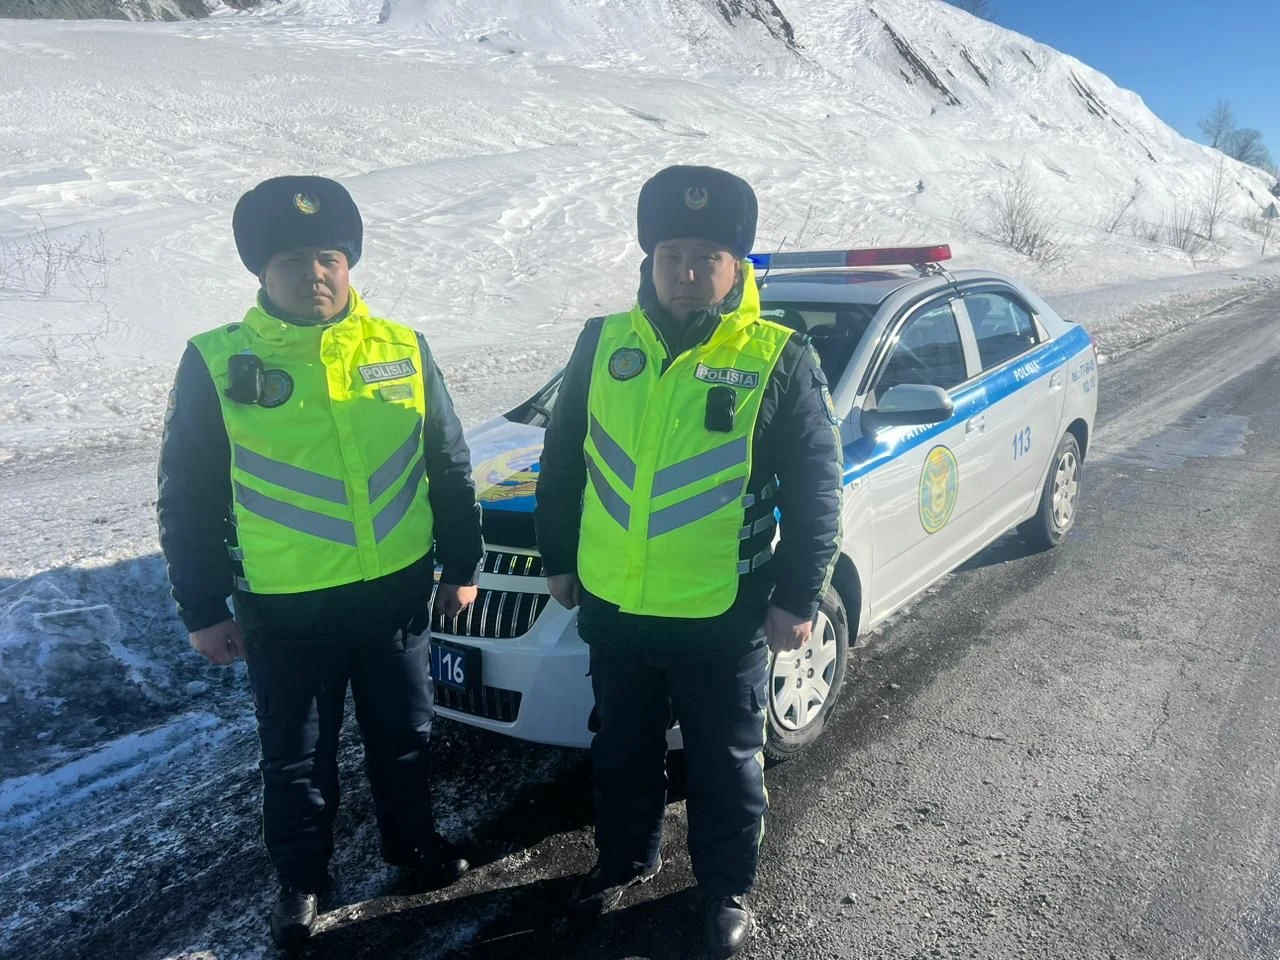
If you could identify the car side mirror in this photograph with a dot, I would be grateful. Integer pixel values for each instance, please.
(908, 405)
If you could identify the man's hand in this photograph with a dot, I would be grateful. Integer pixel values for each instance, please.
(566, 589)
(452, 599)
(785, 630)
(220, 644)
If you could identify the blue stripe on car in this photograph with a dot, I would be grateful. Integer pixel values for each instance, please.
(866, 453)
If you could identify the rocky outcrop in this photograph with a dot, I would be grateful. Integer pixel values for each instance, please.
(764, 11)
(103, 9)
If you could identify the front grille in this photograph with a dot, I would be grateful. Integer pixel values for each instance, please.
(496, 615)
(492, 703)
(512, 564)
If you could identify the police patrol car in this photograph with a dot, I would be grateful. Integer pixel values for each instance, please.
(966, 407)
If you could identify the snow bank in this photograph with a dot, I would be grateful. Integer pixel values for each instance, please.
(50, 642)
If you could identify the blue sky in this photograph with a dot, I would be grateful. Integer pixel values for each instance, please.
(1180, 56)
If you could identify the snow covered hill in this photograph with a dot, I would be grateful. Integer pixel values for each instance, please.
(497, 149)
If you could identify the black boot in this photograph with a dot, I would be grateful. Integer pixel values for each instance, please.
(435, 865)
(294, 915)
(728, 926)
(599, 893)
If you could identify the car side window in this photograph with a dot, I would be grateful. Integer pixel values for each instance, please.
(1003, 327)
(928, 351)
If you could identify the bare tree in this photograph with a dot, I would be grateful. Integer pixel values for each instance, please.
(1246, 146)
(1215, 201)
(1218, 123)
(979, 8)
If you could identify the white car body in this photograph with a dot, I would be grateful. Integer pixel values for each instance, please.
(969, 479)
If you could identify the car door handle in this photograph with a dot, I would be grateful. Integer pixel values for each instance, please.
(1056, 381)
(975, 424)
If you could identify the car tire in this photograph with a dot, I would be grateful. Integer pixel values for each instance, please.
(804, 684)
(1058, 500)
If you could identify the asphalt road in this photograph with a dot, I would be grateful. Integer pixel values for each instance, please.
(1074, 754)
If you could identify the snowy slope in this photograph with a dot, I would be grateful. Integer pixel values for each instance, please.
(497, 149)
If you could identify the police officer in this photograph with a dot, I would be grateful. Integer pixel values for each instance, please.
(681, 425)
(313, 468)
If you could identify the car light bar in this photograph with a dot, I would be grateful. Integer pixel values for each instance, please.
(866, 257)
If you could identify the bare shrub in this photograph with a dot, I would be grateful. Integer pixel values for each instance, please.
(1182, 229)
(1114, 219)
(804, 236)
(1147, 230)
(1017, 218)
(52, 343)
(40, 263)
(69, 268)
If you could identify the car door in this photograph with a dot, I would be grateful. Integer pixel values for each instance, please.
(1025, 393)
(917, 476)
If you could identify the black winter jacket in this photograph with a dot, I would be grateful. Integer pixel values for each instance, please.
(194, 503)
(795, 440)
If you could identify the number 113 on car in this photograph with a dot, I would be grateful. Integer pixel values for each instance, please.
(1021, 443)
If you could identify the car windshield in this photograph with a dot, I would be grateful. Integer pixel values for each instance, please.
(836, 330)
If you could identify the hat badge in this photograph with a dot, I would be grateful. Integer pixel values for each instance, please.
(695, 198)
(306, 203)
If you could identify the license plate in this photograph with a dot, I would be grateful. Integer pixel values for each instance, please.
(455, 666)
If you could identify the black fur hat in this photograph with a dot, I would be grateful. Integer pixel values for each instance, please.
(287, 213)
(697, 203)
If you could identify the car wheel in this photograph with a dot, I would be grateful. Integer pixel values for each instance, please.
(1058, 500)
(804, 684)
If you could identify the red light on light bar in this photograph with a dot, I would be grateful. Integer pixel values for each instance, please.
(897, 256)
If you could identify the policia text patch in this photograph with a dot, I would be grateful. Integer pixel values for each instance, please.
(396, 370)
(729, 376)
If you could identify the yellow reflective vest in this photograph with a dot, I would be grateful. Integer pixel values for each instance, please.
(666, 506)
(328, 478)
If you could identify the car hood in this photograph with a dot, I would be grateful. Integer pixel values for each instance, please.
(504, 457)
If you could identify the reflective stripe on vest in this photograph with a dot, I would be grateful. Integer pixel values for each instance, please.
(664, 515)
(328, 479)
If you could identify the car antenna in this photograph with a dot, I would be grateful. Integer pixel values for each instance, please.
(782, 243)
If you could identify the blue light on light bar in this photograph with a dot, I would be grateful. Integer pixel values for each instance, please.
(811, 260)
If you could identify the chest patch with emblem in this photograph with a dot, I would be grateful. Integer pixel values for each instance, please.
(395, 370)
(729, 376)
(277, 387)
(830, 404)
(626, 363)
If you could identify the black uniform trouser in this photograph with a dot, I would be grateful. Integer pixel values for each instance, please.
(299, 672)
(641, 672)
